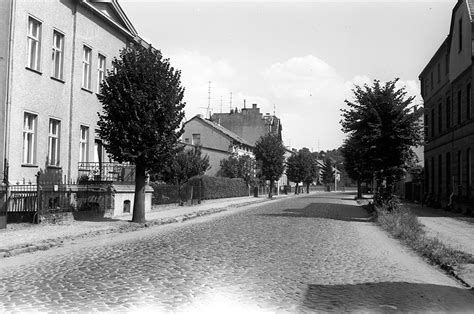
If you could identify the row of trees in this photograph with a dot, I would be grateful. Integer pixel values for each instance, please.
(383, 128)
(142, 111)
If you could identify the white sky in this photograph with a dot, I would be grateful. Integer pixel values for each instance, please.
(301, 56)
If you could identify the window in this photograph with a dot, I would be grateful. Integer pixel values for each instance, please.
(448, 174)
(459, 168)
(100, 71)
(440, 119)
(186, 140)
(448, 113)
(432, 175)
(468, 101)
(459, 106)
(460, 34)
(432, 122)
(447, 64)
(469, 168)
(439, 72)
(29, 139)
(34, 44)
(440, 174)
(84, 144)
(196, 139)
(57, 55)
(53, 142)
(86, 67)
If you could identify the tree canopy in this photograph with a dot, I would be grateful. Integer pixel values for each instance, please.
(238, 167)
(382, 129)
(302, 167)
(142, 101)
(327, 172)
(187, 163)
(270, 156)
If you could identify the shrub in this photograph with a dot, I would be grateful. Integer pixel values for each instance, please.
(218, 187)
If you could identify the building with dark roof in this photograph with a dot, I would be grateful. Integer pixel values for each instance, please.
(449, 120)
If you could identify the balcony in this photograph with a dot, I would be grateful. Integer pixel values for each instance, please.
(96, 172)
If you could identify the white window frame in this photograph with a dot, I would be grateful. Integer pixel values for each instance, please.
(34, 44)
(101, 62)
(57, 56)
(29, 138)
(54, 142)
(84, 144)
(86, 67)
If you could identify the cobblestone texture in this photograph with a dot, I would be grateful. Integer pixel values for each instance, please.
(314, 253)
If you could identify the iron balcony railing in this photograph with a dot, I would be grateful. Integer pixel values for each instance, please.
(105, 172)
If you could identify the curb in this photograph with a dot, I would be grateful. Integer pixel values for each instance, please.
(59, 242)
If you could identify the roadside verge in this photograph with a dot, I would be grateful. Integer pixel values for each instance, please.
(405, 225)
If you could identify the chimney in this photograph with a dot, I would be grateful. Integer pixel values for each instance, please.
(254, 106)
(244, 104)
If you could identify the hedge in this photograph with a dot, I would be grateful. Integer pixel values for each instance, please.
(217, 187)
(168, 194)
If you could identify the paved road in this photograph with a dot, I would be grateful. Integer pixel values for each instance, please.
(316, 252)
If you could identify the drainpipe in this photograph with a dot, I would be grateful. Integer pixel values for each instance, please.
(71, 95)
(8, 89)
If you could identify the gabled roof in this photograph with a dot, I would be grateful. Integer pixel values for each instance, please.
(221, 129)
(111, 12)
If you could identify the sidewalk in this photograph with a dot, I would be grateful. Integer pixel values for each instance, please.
(454, 230)
(23, 238)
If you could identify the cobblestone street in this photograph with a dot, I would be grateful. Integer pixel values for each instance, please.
(317, 252)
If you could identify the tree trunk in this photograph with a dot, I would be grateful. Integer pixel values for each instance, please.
(307, 188)
(359, 189)
(139, 199)
(270, 193)
(296, 188)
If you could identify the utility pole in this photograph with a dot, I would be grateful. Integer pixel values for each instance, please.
(230, 103)
(209, 102)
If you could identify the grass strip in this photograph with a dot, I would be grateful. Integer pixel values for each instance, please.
(402, 224)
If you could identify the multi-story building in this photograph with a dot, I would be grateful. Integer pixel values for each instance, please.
(448, 114)
(249, 123)
(53, 57)
(215, 141)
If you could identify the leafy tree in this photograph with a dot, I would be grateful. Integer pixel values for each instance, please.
(302, 167)
(238, 167)
(270, 156)
(142, 110)
(186, 164)
(295, 169)
(385, 128)
(309, 163)
(355, 163)
(327, 172)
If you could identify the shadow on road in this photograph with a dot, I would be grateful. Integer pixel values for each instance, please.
(326, 211)
(388, 297)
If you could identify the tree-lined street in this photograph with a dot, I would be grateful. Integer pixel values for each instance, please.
(317, 252)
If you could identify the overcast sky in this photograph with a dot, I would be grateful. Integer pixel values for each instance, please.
(301, 58)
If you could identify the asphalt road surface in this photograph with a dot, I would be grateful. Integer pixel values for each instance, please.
(313, 253)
